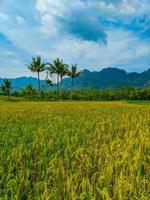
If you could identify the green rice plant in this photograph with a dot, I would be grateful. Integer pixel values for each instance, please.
(73, 151)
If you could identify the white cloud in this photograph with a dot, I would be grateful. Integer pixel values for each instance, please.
(128, 8)
(20, 20)
(124, 48)
(135, 7)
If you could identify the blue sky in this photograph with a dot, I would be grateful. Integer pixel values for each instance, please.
(92, 33)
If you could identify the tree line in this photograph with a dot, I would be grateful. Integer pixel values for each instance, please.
(60, 70)
(86, 94)
(57, 68)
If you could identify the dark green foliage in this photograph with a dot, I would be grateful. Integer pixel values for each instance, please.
(50, 94)
(124, 93)
(6, 87)
(29, 92)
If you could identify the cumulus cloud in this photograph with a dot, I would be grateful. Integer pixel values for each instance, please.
(76, 18)
(123, 42)
(94, 34)
(124, 7)
(122, 49)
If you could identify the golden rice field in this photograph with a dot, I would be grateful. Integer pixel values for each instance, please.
(74, 151)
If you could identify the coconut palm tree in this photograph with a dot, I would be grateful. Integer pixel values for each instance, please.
(6, 87)
(36, 65)
(60, 69)
(73, 73)
(63, 72)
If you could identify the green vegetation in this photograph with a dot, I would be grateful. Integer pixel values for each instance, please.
(63, 90)
(60, 69)
(37, 66)
(73, 73)
(73, 150)
(10, 99)
(83, 150)
(139, 102)
(6, 87)
(49, 93)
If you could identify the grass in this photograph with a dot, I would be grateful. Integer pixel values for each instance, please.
(74, 151)
(10, 99)
(142, 102)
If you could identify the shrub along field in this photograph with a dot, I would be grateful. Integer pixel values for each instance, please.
(82, 150)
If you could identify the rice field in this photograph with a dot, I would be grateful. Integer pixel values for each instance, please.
(74, 151)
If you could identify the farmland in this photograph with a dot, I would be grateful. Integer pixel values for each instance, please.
(76, 150)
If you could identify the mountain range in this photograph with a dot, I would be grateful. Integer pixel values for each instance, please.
(21, 82)
(110, 78)
(104, 79)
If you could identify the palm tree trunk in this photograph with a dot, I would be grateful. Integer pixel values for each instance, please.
(71, 90)
(39, 81)
(72, 83)
(60, 88)
(57, 82)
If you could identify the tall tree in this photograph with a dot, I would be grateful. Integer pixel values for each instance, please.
(6, 87)
(73, 73)
(36, 65)
(60, 69)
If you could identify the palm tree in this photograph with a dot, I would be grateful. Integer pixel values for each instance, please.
(36, 65)
(63, 72)
(6, 87)
(60, 69)
(73, 73)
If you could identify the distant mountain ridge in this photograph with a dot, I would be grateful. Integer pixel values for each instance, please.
(21, 82)
(104, 79)
(109, 78)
